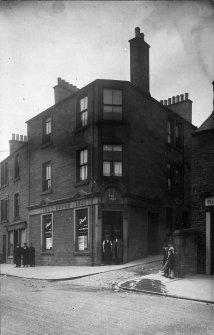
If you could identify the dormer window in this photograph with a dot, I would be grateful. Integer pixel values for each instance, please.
(47, 129)
(112, 104)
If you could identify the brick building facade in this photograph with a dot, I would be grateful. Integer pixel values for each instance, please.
(108, 159)
(203, 193)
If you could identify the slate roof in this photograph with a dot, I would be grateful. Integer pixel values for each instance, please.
(208, 124)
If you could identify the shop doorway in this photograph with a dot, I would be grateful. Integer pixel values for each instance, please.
(112, 225)
(153, 232)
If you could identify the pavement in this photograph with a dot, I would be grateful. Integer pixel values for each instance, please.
(196, 287)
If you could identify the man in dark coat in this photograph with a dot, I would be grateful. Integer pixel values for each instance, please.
(117, 250)
(18, 255)
(107, 249)
(31, 253)
(25, 254)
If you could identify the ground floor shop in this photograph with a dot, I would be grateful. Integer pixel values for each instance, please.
(72, 232)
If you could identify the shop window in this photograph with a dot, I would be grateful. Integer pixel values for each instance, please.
(47, 232)
(46, 176)
(10, 243)
(82, 229)
(16, 167)
(16, 206)
(112, 104)
(4, 209)
(83, 164)
(47, 129)
(112, 160)
(4, 174)
(83, 116)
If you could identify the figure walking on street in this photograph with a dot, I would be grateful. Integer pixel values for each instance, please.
(25, 254)
(18, 255)
(31, 254)
(107, 250)
(117, 251)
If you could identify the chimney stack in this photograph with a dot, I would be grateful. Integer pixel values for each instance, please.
(139, 62)
(63, 89)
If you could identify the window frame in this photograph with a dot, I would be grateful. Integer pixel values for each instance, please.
(112, 105)
(82, 112)
(16, 204)
(4, 209)
(4, 174)
(82, 165)
(46, 136)
(43, 239)
(45, 179)
(16, 166)
(77, 234)
(111, 162)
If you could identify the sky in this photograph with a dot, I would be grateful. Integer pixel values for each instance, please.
(81, 41)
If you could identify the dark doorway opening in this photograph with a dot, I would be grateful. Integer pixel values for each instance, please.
(112, 225)
(153, 232)
(4, 249)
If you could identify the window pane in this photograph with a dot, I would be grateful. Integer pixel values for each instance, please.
(106, 168)
(107, 97)
(117, 97)
(84, 104)
(84, 118)
(83, 172)
(117, 113)
(107, 147)
(48, 172)
(48, 232)
(83, 156)
(117, 168)
(107, 112)
(48, 126)
(117, 147)
(82, 229)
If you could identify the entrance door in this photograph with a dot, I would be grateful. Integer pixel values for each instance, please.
(112, 224)
(153, 230)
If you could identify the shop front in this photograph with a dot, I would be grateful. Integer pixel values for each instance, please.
(209, 205)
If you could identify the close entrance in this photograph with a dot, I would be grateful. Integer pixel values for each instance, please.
(112, 225)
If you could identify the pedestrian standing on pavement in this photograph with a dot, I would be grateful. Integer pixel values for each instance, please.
(117, 250)
(107, 250)
(171, 263)
(31, 255)
(18, 255)
(25, 254)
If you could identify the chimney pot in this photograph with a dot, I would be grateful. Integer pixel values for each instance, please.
(13, 136)
(161, 102)
(177, 98)
(142, 36)
(165, 102)
(186, 96)
(182, 97)
(137, 32)
(169, 101)
(17, 137)
(21, 138)
(173, 99)
(25, 138)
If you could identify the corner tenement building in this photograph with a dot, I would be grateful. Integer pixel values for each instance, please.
(104, 159)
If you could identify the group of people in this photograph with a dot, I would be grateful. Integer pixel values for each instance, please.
(24, 254)
(112, 250)
(168, 260)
